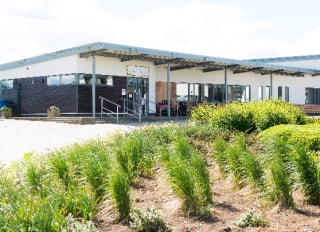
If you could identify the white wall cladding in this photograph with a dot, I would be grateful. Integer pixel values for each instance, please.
(113, 66)
(64, 65)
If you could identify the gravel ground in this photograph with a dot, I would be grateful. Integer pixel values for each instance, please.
(18, 137)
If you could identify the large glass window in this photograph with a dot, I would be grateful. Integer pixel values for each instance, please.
(53, 80)
(217, 93)
(68, 80)
(64, 79)
(100, 79)
(239, 93)
(312, 96)
(182, 92)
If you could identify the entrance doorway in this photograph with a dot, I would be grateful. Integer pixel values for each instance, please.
(138, 94)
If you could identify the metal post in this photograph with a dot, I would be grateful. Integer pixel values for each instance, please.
(226, 83)
(168, 91)
(271, 85)
(93, 82)
(101, 107)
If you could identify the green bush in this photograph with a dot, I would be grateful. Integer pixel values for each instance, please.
(275, 112)
(305, 135)
(250, 116)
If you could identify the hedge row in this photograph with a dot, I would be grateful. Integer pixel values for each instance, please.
(246, 117)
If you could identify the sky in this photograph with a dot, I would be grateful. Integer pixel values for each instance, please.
(237, 29)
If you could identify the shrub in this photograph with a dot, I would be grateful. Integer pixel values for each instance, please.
(275, 112)
(251, 220)
(233, 116)
(247, 117)
(150, 221)
(305, 135)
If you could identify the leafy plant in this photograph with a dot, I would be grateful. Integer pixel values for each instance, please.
(119, 190)
(251, 220)
(281, 169)
(189, 176)
(150, 221)
(220, 146)
(308, 171)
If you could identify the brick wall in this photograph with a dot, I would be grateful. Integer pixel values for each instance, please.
(161, 91)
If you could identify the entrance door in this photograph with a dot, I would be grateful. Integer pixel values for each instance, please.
(138, 94)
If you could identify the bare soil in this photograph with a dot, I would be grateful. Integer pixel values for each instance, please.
(230, 204)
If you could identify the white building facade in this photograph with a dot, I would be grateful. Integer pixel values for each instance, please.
(76, 79)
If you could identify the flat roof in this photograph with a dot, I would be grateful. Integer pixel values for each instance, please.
(286, 58)
(176, 60)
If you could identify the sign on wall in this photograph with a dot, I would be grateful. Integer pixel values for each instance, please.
(138, 71)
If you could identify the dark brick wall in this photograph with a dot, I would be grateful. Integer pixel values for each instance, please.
(37, 97)
(32, 96)
(112, 93)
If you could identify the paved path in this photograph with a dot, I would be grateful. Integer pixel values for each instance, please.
(18, 137)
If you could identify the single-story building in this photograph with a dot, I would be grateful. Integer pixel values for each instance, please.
(110, 78)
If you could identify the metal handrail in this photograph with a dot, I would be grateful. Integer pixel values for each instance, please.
(155, 106)
(132, 113)
(107, 111)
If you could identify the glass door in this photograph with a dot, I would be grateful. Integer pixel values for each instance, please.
(137, 89)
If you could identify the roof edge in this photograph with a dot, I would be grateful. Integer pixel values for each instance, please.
(134, 50)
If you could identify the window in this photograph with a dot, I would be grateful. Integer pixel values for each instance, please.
(182, 92)
(260, 92)
(6, 84)
(239, 93)
(312, 96)
(105, 80)
(53, 80)
(279, 92)
(286, 94)
(268, 92)
(68, 80)
(100, 79)
(64, 79)
(217, 93)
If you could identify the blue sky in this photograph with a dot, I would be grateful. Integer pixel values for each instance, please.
(239, 29)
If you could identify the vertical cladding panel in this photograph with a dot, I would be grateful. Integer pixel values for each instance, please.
(112, 93)
(36, 97)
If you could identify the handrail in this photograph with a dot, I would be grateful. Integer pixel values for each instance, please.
(108, 111)
(155, 106)
(132, 112)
